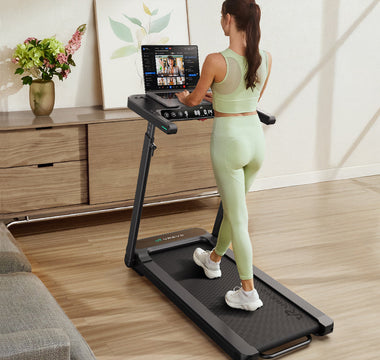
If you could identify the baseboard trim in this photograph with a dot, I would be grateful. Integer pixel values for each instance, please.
(315, 177)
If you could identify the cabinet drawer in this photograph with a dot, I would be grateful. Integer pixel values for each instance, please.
(39, 187)
(46, 145)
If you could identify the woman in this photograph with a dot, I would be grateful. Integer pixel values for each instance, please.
(238, 77)
(171, 68)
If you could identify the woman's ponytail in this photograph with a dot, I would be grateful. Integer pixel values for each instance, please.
(253, 35)
(247, 15)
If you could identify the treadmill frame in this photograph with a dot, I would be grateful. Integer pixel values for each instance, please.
(142, 263)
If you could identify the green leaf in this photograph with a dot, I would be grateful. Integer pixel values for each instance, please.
(27, 80)
(45, 76)
(160, 24)
(121, 31)
(164, 40)
(154, 12)
(19, 71)
(124, 51)
(133, 20)
(146, 9)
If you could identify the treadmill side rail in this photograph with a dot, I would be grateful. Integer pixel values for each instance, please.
(327, 325)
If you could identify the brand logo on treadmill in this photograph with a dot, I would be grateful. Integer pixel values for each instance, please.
(288, 310)
(293, 313)
(170, 237)
(173, 237)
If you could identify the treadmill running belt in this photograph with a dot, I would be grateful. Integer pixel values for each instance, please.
(278, 322)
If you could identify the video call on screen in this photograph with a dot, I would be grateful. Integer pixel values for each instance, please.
(169, 67)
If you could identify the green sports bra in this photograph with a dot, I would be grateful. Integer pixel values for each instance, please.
(230, 95)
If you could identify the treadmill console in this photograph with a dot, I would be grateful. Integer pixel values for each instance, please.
(165, 118)
(202, 111)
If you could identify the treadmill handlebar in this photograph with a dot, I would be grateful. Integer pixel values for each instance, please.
(142, 106)
(266, 118)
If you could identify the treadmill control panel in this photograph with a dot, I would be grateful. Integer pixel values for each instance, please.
(165, 118)
(182, 113)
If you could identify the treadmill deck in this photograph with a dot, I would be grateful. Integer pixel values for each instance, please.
(278, 322)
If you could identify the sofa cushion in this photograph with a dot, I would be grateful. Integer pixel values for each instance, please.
(26, 304)
(35, 345)
(12, 259)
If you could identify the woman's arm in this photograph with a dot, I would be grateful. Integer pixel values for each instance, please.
(269, 70)
(207, 77)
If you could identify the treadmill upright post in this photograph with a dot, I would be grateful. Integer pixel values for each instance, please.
(218, 221)
(146, 156)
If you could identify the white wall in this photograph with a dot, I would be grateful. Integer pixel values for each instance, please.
(20, 19)
(324, 88)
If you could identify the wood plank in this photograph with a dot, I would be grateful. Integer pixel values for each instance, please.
(17, 120)
(322, 241)
(40, 146)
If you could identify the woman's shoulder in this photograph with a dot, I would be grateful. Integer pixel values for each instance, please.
(214, 57)
(214, 60)
(214, 65)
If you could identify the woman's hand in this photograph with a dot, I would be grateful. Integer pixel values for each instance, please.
(182, 96)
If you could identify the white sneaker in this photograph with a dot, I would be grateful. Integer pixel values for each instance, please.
(240, 299)
(202, 259)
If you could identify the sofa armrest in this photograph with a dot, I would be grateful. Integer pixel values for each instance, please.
(35, 344)
(12, 259)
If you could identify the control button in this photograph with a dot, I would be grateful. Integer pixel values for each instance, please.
(173, 114)
(180, 114)
(186, 113)
(166, 114)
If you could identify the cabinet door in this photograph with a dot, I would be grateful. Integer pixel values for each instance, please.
(181, 165)
(114, 151)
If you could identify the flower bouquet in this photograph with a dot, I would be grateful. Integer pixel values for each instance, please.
(42, 59)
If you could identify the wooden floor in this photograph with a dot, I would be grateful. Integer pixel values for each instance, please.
(321, 240)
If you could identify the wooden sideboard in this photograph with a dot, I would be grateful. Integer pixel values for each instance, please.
(83, 159)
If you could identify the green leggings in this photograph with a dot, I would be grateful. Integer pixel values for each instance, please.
(237, 152)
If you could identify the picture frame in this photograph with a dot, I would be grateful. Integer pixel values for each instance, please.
(122, 27)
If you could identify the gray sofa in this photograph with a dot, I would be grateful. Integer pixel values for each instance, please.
(32, 324)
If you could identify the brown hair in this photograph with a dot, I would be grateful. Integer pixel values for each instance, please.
(247, 16)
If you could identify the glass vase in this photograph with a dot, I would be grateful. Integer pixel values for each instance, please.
(42, 97)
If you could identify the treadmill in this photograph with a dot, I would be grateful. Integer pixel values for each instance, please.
(285, 323)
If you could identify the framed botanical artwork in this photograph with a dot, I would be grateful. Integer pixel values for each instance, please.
(122, 27)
